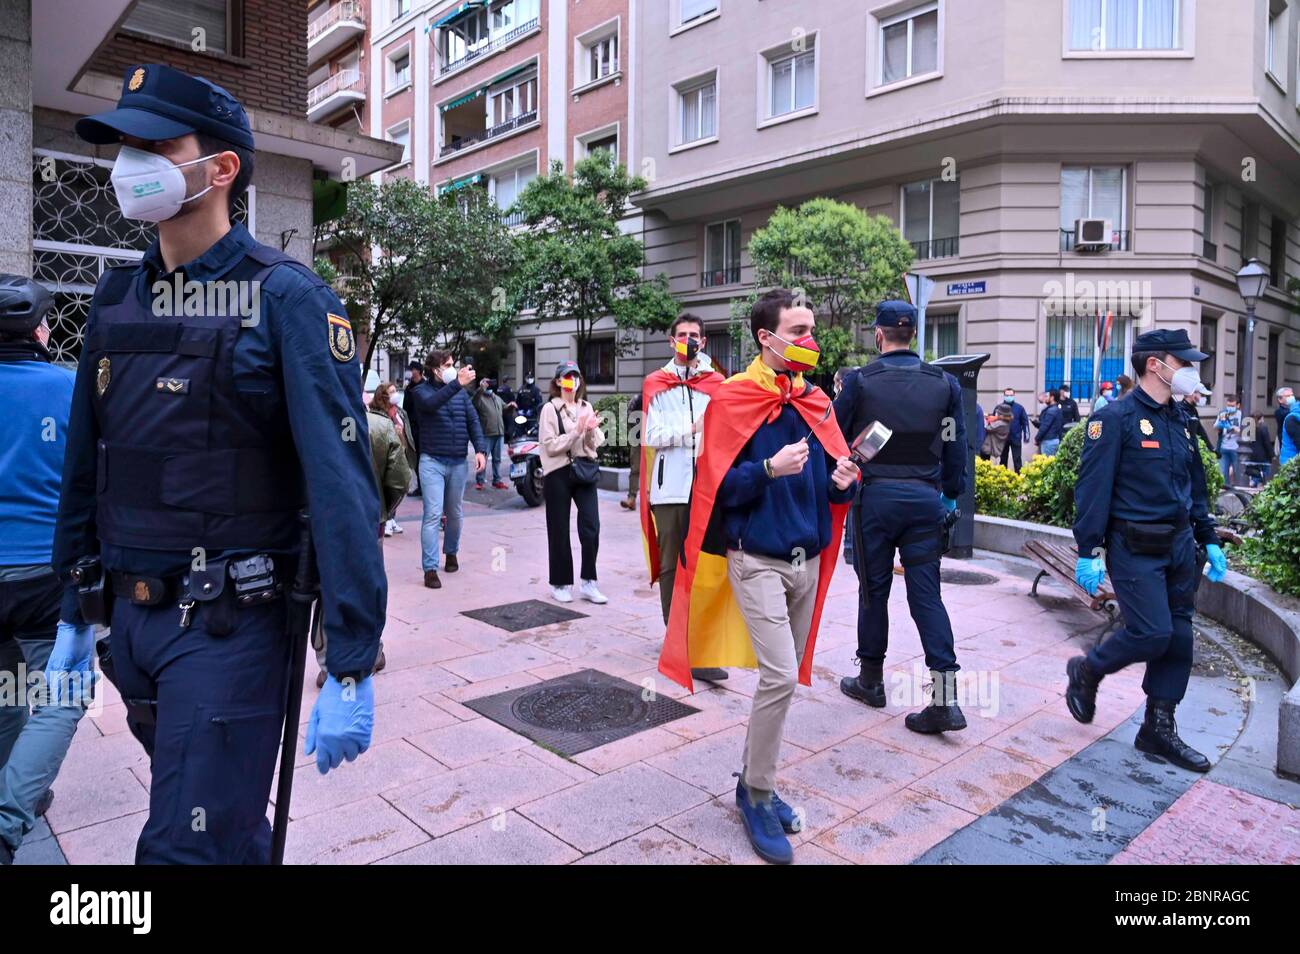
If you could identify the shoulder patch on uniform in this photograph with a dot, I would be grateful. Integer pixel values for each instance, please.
(1145, 426)
(1094, 430)
(343, 344)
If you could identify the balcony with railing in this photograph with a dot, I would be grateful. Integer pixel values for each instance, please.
(342, 23)
(464, 55)
(343, 88)
(728, 275)
(1119, 242)
(935, 248)
(462, 141)
(511, 219)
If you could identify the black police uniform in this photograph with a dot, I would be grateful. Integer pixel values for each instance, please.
(898, 506)
(1141, 499)
(194, 441)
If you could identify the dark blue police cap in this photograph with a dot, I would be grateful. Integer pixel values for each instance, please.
(895, 314)
(1172, 341)
(159, 102)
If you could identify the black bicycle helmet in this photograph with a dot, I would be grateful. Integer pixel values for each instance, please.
(23, 304)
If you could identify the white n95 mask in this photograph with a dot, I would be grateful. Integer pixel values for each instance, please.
(151, 187)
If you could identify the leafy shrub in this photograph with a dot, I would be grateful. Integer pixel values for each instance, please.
(997, 489)
(1272, 551)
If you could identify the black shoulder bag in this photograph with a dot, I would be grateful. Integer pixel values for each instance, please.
(585, 469)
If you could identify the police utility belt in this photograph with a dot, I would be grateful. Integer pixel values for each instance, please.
(1150, 539)
(219, 590)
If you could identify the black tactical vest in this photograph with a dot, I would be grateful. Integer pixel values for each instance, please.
(911, 401)
(185, 459)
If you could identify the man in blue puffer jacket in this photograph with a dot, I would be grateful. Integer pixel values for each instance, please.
(447, 423)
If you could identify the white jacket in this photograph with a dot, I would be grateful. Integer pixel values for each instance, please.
(667, 427)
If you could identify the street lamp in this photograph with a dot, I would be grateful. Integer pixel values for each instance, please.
(1251, 282)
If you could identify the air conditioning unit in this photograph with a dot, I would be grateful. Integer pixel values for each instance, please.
(1093, 234)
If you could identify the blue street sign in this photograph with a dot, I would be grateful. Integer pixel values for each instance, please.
(967, 288)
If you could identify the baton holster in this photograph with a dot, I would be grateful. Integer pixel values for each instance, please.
(94, 599)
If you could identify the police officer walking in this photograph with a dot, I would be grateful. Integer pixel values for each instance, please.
(198, 432)
(907, 490)
(1142, 509)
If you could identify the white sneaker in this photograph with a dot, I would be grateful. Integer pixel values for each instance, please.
(388, 529)
(395, 526)
(589, 592)
(562, 594)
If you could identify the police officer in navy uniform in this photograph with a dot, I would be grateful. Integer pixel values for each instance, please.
(201, 425)
(906, 492)
(1142, 509)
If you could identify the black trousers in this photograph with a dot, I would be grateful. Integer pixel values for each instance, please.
(1014, 450)
(558, 490)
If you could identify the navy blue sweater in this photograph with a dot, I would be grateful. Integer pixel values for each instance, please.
(446, 420)
(780, 517)
(1051, 426)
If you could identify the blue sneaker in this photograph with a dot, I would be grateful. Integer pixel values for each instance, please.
(764, 829)
(790, 821)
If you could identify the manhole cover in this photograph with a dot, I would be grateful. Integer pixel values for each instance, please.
(523, 615)
(580, 711)
(966, 577)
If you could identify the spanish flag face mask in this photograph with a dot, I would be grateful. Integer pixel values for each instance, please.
(799, 355)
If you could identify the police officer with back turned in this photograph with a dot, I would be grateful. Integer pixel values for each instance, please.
(1142, 509)
(907, 490)
(199, 431)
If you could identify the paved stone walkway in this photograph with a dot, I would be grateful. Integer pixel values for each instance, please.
(442, 784)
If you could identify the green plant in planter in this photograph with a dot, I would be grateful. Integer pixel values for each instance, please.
(1213, 478)
(1272, 552)
(997, 489)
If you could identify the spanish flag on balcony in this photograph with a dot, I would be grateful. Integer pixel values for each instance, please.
(705, 627)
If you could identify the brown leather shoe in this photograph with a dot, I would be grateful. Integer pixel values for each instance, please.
(431, 580)
(320, 679)
(450, 564)
(380, 663)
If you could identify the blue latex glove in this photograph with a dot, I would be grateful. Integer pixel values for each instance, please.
(1089, 572)
(340, 723)
(1218, 562)
(948, 503)
(69, 672)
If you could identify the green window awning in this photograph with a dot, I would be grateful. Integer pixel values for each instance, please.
(465, 183)
(461, 8)
(467, 98)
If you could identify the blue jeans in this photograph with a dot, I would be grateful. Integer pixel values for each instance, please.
(494, 444)
(443, 482)
(1228, 458)
(1049, 447)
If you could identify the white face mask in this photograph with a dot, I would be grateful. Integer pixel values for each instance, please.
(448, 375)
(1185, 381)
(151, 187)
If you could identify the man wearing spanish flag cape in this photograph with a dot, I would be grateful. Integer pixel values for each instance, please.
(772, 486)
(674, 399)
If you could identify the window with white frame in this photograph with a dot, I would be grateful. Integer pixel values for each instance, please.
(507, 185)
(607, 142)
(401, 133)
(1094, 192)
(721, 253)
(401, 8)
(1100, 25)
(694, 9)
(940, 336)
(513, 101)
(792, 77)
(399, 69)
(601, 57)
(909, 44)
(697, 106)
(931, 217)
(1275, 41)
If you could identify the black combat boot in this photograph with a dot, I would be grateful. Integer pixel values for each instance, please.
(1081, 693)
(943, 713)
(1159, 736)
(868, 685)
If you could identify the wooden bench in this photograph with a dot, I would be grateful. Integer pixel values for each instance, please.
(1058, 560)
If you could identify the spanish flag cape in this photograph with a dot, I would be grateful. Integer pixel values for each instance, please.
(705, 627)
(655, 384)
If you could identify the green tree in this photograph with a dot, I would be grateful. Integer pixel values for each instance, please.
(577, 263)
(420, 267)
(842, 260)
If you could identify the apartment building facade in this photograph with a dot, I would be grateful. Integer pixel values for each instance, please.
(1047, 159)
(66, 59)
(487, 94)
